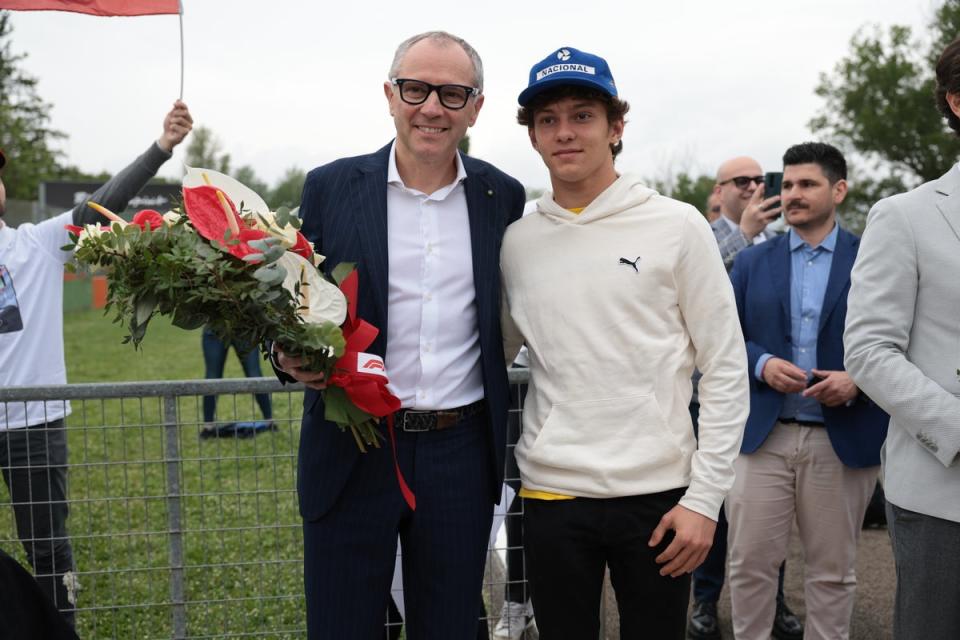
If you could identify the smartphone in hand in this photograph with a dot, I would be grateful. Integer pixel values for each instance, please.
(814, 380)
(772, 185)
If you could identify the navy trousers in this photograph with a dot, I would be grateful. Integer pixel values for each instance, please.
(349, 553)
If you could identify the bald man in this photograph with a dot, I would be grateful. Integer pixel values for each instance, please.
(743, 219)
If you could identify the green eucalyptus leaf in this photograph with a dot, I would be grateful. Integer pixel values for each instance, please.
(341, 271)
(144, 309)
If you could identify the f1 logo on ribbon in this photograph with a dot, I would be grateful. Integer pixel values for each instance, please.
(370, 363)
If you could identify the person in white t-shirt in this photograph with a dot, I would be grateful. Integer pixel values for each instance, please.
(33, 446)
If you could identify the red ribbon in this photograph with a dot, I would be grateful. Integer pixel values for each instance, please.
(367, 390)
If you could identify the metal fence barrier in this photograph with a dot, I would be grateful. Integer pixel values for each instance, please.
(177, 535)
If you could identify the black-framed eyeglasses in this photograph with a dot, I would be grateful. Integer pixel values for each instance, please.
(741, 182)
(452, 96)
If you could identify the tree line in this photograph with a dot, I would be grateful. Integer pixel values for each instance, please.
(877, 107)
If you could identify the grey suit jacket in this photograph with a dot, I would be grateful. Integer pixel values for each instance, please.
(731, 241)
(902, 340)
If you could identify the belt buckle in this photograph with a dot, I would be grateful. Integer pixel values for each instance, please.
(410, 428)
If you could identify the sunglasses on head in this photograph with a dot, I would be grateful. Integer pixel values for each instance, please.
(741, 182)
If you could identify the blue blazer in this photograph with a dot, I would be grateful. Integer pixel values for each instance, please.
(761, 284)
(344, 212)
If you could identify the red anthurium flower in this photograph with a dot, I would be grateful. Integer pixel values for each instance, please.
(148, 217)
(206, 213)
(303, 248)
(209, 218)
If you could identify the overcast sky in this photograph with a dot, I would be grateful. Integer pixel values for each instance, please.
(297, 83)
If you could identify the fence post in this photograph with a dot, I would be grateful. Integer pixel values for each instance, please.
(174, 516)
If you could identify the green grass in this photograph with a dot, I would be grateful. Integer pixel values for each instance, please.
(241, 531)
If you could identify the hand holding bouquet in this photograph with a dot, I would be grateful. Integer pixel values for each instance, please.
(229, 262)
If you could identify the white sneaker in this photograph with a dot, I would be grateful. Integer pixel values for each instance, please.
(515, 619)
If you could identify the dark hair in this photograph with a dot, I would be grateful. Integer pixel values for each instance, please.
(829, 158)
(948, 81)
(616, 108)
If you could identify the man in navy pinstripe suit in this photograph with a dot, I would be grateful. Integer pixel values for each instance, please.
(423, 223)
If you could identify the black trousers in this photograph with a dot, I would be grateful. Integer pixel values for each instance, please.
(569, 543)
(34, 465)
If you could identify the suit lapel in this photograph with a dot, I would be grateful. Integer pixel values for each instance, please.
(479, 195)
(779, 268)
(949, 186)
(839, 278)
(370, 194)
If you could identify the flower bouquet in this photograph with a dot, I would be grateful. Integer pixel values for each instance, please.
(228, 262)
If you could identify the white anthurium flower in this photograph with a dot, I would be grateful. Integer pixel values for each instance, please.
(322, 299)
(232, 188)
(287, 235)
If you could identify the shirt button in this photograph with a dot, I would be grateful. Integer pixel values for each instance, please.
(428, 297)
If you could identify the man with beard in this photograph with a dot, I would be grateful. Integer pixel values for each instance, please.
(33, 441)
(812, 441)
(744, 214)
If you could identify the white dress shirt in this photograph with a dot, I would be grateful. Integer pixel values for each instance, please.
(433, 342)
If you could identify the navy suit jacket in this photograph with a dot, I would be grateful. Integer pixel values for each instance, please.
(344, 212)
(761, 284)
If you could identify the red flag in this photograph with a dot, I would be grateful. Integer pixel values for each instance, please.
(97, 7)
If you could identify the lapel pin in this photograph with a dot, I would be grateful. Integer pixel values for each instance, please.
(490, 192)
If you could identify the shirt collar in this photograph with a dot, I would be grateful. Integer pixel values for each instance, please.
(829, 243)
(393, 175)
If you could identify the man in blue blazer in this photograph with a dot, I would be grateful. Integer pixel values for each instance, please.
(423, 224)
(812, 442)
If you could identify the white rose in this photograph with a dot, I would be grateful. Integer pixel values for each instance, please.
(171, 218)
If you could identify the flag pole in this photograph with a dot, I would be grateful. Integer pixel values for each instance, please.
(181, 49)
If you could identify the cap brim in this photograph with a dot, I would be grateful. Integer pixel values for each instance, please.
(558, 80)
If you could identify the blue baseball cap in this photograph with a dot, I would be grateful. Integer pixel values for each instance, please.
(567, 65)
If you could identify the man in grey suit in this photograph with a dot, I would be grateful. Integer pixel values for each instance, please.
(902, 343)
(743, 219)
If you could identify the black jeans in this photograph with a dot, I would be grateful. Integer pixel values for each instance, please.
(570, 542)
(34, 465)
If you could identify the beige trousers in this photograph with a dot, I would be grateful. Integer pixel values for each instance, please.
(795, 474)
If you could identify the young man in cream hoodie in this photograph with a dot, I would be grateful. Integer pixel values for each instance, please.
(618, 293)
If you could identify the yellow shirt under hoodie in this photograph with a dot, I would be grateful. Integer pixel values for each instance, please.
(617, 305)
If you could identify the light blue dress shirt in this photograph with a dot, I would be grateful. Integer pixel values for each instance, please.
(809, 273)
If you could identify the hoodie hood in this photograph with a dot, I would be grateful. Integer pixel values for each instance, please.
(626, 192)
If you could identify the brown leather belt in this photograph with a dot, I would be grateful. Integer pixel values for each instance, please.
(415, 420)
